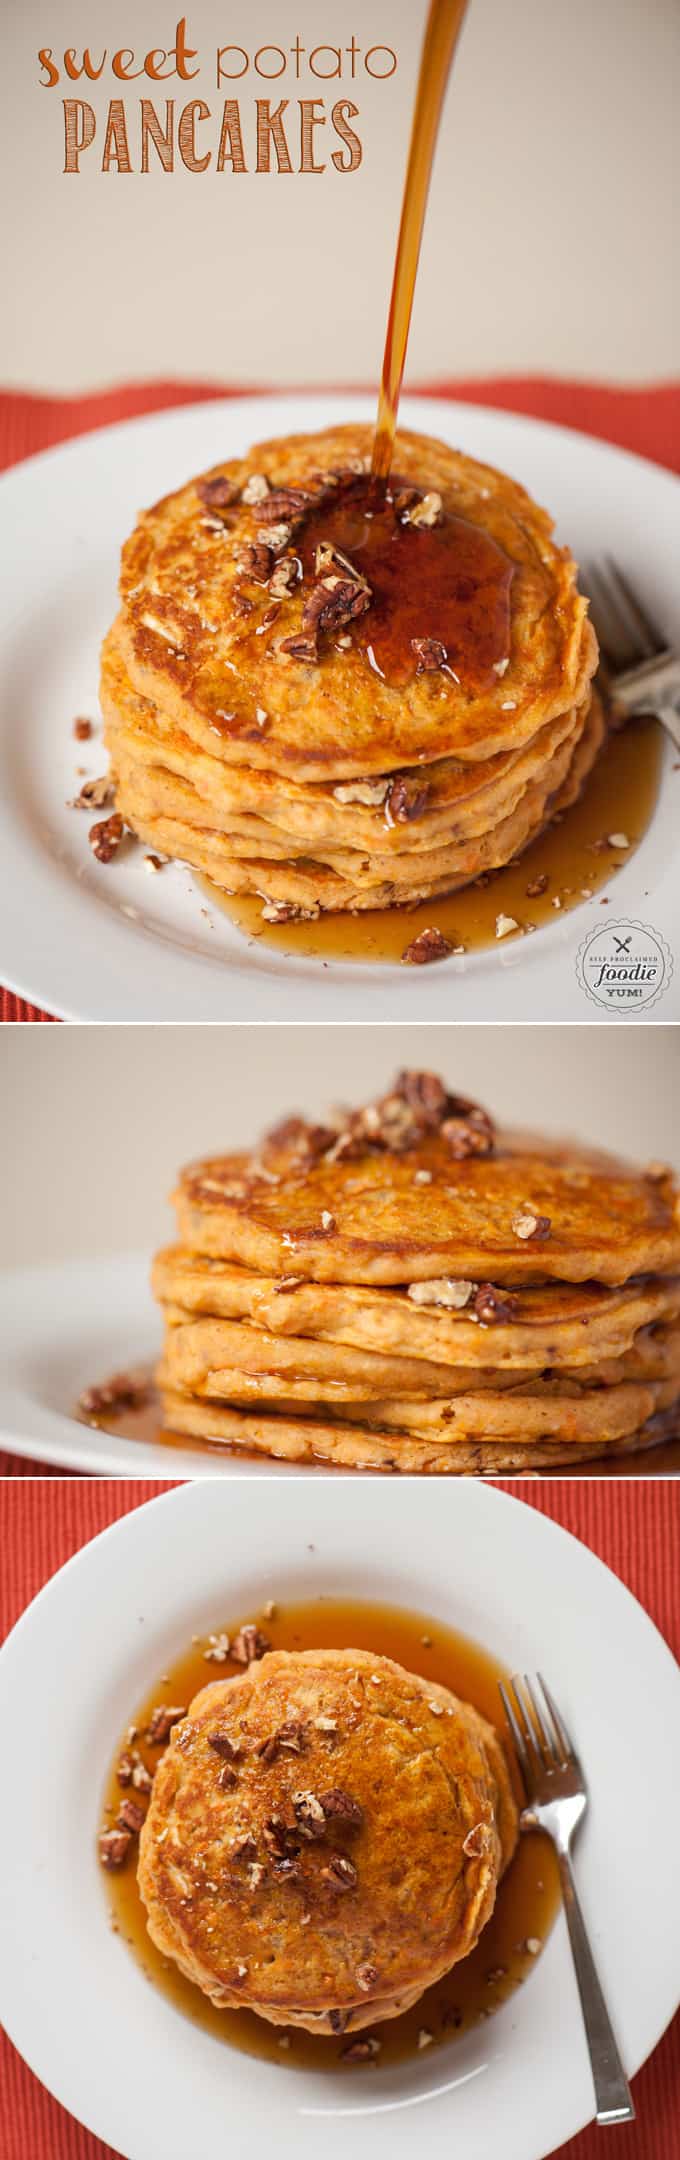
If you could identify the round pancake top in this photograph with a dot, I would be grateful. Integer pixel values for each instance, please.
(420, 1187)
(334, 1786)
(315, 635)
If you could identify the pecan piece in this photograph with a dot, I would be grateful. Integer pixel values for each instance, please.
(468, 1130)
(256, 562)
(162, 1720)
(341, 1873)
(300, 648)
(430, 655)
(335, 600)
(494, 1306)
(114, 1846)
(249, 1645)
(105, 838)
(427, 511)
(529, 1225)
(428, 945)
(95, 794)
(405, 801)
(82, 730)
(288, 503)
(309, 1815)
(217, 493)
(130, 1817)
(339, 1807)
(360, 2050)
(222, 1745)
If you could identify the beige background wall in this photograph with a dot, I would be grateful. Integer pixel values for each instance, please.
(550, 243)
(95, 1122)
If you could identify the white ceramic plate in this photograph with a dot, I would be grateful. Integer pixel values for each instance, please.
(96, 944)
(68, 1326)
(117, 2054)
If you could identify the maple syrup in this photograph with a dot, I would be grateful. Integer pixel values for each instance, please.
(145, 1423)
(449, 582)
(443, 26)
(528, 1895)
(572, 854)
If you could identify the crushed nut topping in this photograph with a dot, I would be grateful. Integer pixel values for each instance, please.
(505, 924)
(162, 1720)
(309, 1815)
(527, 1225)
(327, 1220)
(326, 1724)
(360, 2050)
(495, 1306)
(255, 1874)
(227, 1778)
(366, 1976)
(339, 1807)
(284, 576)
(256, 489)
(289, 503)
(538, 885)
(300, 648)
(222, 1745)
(430, 655)
(82, 730)
(339, 2020)
(141, 1777)
(218, 1650)
(467, 1129)
(370, 792)
(341, 1873)
(249, 1645)
(443, 1290)
(121, 1392)
(95, 794)
(218, 493)
(256, 562)
(428, 945)
(114, 1846)
(333, 602)
(275, 537)
(425, 2038)
(105, 838)
(428, 510)
(130, 1817)
(405, 801)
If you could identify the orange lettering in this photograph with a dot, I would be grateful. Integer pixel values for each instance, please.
(342, 112)
(116, 152)
(122, 65)
(47, 63)
(186, 136)
(79, 126)
(88, 68)
(152, 132)
(270, 130)
(312, 115)
(231, 140)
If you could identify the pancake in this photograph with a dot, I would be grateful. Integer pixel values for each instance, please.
(324, 1838)
(337, 700)
(408, 1288)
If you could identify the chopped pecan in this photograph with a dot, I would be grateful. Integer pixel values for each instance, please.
(341, 1873)
(222, 1745)
(467, 1129)
(494, 1307)
(277, 1835)
(339, 2020)
(284, 576)
(141, 1777)
(288, 503)
(335, 600)
(256, 489)
(425, 1093)
(105, 838)
(444, 1291)
(121, 1392)
(537, 886)
(162, 1720)
(249, 1645)
(256, 562)
(95, 794)
(292, 1737)
(300, 648)
(275, 537)
(428, 945)
(124, 1769)
(405, 800)
(114, 1846)
(309, 1815)
(217, 493)
(366, 1976)
(300, 1140)
(130, 1817)
(428, 510)
(244, 1848)
(82, 730)
(227, 1778)
(339, 1807)
(288, 1868)
(477, 1841)
(527, 1225)
(370, 792)
(430, 655)
(360, 2050)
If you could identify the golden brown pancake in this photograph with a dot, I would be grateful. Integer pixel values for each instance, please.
(325, 1838)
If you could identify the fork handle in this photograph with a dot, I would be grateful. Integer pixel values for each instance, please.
(612, 2094)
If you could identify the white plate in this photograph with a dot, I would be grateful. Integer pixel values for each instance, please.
(117, 2054)
(97, 944)
(70, 1325)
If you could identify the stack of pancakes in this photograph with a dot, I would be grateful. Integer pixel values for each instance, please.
(408, 1290)
(305, 714)
(325, 1838)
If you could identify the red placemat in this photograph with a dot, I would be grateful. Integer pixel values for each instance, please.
(633, 1527)
(646, 420)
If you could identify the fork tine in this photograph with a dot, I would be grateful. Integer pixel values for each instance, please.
(548, 1750)
(563, 1736)
(601, 613)
(648, 632)
(521, 1749)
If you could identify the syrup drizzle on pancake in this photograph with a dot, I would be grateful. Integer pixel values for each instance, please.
(449, 582)
(527, 1898)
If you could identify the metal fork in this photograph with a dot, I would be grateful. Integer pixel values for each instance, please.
(557, 1798)
(641, 672)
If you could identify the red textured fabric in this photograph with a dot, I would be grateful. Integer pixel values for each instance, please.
(634, 1527)
(645, 419)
